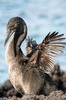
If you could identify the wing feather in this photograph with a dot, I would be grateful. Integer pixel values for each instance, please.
(50, 46)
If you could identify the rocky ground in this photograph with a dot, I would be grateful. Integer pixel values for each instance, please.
(7, 92)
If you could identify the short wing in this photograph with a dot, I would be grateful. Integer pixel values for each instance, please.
(45, 52)
(30, 46)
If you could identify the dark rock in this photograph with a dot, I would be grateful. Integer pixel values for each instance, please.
(7, 90)
(1, 91)
(58, 76)
(63, 79)
(7, 85)
(49, 85)
(56, 95)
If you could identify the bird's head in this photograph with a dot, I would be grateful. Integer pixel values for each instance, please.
(15, 25)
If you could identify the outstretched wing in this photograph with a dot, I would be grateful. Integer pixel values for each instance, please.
(45, 52)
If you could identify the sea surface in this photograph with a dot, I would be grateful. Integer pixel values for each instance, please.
(41, 17)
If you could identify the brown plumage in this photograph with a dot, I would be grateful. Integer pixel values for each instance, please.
(28, 73)
(47, 50)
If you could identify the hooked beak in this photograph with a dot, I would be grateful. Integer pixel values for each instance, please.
(7, 38)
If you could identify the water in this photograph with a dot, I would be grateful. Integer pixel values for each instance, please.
(41, 16)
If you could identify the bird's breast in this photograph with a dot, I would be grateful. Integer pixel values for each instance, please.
(32, 81)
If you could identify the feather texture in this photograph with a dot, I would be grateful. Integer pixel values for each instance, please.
(44, 53)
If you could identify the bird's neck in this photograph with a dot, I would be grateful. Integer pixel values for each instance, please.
(10, 54)
(13, 51)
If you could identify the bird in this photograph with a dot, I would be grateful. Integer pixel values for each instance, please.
(29, 73)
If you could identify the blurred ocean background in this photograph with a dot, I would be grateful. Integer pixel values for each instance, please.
(41, 17)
